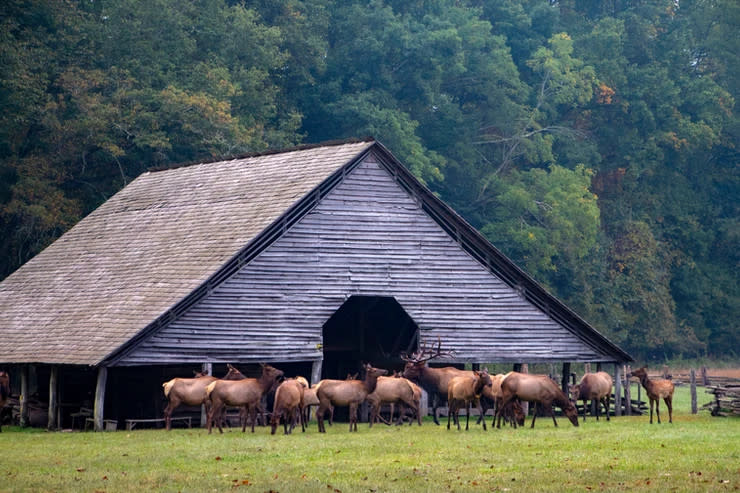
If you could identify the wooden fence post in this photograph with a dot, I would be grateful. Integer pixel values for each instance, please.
(694, 409)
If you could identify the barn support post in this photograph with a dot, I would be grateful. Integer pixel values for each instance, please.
(316, 371)
(618, 389)
(53, 397)
(208, 370)
(628, 393)
(23, 398)
(564, 379)
(524, 368)
(100, 398)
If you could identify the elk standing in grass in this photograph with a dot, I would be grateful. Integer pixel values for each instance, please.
(392, 390)
(346, 393)
(246, 394)
(491, 399)
(596, 387)
(541, 390)
(434, 380)
(4, 393)
(656, 389)
(288, 405)
(191, 391)
(464, 390)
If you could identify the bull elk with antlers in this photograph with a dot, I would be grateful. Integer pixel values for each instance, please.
(434, 380)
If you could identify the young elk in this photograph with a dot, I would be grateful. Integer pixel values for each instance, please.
(463, 391)
(346, 393)
(434, 380)
(392, 390)
(4, 392)
(191, 391)
(541, 390)
(288, 404)
(656, 390)
(594, 387)
(246, 393)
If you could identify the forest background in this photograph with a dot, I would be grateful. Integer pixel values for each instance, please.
(594, 142)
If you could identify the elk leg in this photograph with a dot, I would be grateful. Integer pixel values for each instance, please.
(552, 413)
(449, 415)
(534, 413)
(435, 409)
(651, 411)
(352, 417)
(607, 398)
(669, 404)
(657, 408)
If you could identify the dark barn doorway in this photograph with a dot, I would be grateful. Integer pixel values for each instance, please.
(367, 329)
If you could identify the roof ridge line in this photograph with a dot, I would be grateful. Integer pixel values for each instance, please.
(269, 152)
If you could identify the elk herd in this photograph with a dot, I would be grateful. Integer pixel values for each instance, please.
(294, 397)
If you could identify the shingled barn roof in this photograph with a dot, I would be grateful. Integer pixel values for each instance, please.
(148, 247)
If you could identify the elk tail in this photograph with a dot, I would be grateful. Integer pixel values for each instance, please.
(168, 386)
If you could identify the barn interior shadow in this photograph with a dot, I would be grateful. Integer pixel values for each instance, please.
(366, 329)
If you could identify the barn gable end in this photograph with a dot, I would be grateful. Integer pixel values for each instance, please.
(369, 236)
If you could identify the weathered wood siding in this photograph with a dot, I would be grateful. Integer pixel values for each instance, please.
(368, 236)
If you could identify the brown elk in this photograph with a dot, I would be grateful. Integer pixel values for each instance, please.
(491, 399)
(434, 380)
(191, 391)
(656, 389)
(541, 390)
(246, 394)
(288, 404)
(392, 390)
(4, 393)
(346, 393)
(464, 390)
(596, 387)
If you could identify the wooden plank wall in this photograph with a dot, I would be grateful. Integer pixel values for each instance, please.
(368, 236)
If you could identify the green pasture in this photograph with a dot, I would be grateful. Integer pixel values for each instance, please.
(695, 453)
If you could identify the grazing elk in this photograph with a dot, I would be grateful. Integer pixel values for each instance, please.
(191, 391)
(289, 404)
(596, 387)
(4, 393)
(464, 390)
(541, 390)
(246, 394)
(491, 399)
(392, 390)
(346, 393)
(434, 380)
(656, 389)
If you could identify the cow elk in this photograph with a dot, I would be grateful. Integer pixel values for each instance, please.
(392, 390)
(191, 391)
(288, 405)
(541, 390)
(596, 387)
(656, 389)
(346, 393)
(246, 394)
(464, 390)
(491, 399)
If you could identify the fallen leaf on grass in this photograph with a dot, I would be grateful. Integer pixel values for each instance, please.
(218, 457)
(80, 469)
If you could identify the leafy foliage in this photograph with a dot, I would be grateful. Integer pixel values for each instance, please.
(593, 142)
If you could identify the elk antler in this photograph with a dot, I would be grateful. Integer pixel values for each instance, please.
(423, 354)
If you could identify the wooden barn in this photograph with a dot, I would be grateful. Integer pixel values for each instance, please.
(313, 259)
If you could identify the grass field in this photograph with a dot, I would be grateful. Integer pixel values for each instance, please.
(695, 453)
